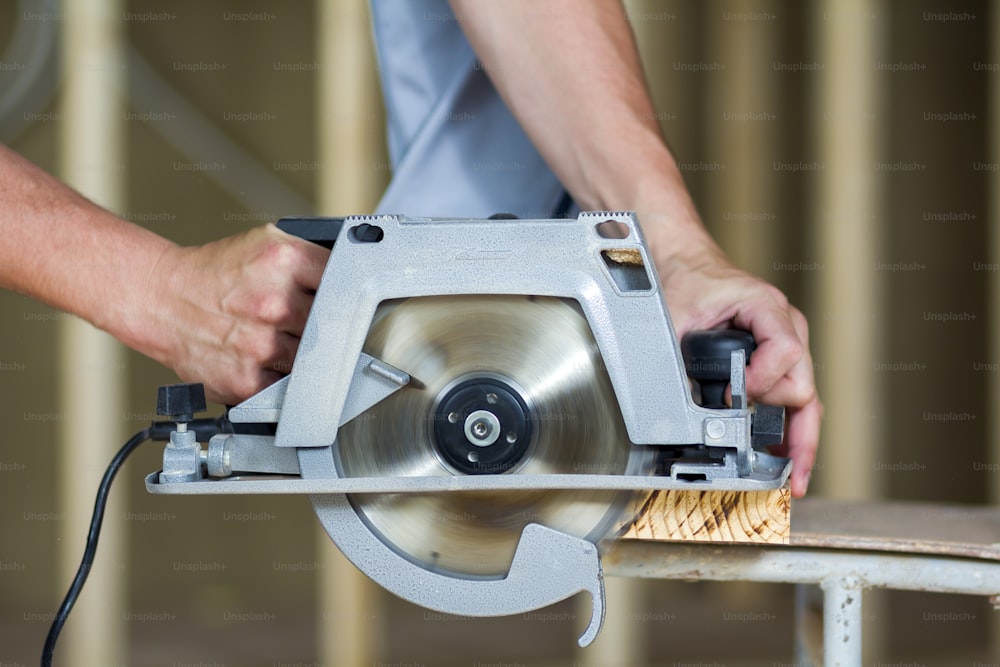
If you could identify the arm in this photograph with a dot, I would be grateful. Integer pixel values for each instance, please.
(228, 314)
(570, 73)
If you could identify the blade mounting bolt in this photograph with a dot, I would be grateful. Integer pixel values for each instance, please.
(482, 428)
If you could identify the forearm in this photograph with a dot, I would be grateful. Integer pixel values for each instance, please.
(570, 73)
(228, 313)
(65, 251)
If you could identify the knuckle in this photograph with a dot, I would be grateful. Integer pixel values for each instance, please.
(788, 351)
(279, 254)
(801, 391)
(804, 392)
(777, 295)
(272, 307)
(800, 323)
(794, 351)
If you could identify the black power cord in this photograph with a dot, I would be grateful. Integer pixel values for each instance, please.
(204, 429)
(91, 548)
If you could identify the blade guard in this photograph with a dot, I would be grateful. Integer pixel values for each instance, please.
(548, 566)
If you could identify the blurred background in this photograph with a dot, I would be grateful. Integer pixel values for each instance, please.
(847, 151)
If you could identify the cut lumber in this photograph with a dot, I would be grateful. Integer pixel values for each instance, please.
(761, 517)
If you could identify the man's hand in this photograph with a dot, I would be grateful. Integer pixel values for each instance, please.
(230, 313)
(704, 291)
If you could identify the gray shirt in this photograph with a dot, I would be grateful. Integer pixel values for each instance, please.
(455, 147)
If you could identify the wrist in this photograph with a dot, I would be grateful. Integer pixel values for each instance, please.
(139, 312)
(675, 235)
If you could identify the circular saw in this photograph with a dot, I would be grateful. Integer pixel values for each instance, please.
(475, 404)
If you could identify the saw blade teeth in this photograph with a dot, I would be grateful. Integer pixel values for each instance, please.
(544, 349)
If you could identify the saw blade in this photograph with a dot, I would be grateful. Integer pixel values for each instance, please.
(545, 405)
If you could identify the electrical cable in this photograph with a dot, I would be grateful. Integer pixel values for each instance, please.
(91, 548)
(203, 428)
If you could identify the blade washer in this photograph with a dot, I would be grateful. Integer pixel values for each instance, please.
(481, 425)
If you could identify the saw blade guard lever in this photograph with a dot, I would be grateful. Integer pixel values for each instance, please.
(714, 359)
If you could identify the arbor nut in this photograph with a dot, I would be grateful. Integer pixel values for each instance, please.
(482, 428)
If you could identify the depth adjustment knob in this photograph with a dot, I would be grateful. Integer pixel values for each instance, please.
(707, 359)
(180, 402)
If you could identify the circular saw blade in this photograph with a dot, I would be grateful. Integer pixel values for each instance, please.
(543, 346)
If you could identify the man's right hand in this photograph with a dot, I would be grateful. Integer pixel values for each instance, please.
(230, 313)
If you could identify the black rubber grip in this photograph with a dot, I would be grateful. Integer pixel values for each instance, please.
(706, 358)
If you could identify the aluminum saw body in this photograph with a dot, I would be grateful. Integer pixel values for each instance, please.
(475, 404)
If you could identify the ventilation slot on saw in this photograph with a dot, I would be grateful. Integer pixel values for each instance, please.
(627, 269)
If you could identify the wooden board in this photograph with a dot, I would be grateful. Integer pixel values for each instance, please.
(969, 531)
(759, 517)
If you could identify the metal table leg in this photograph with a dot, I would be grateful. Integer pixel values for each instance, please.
(842, 636)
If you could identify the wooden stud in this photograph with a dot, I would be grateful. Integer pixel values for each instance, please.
(348, 135)
(849, 223)
(92, 367)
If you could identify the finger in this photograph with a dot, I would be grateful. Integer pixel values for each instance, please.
(263, 378)
(803, 441)
(277, 305)
(234, 384)
(779, 347)
(798, 387)
(306, 262)
(255, 375)
(309, 270)
(297, 314)
(285, 349)
(256, 345)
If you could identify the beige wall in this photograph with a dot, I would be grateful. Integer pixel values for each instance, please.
(750, 135)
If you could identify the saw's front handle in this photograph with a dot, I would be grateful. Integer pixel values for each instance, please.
(707, 358)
